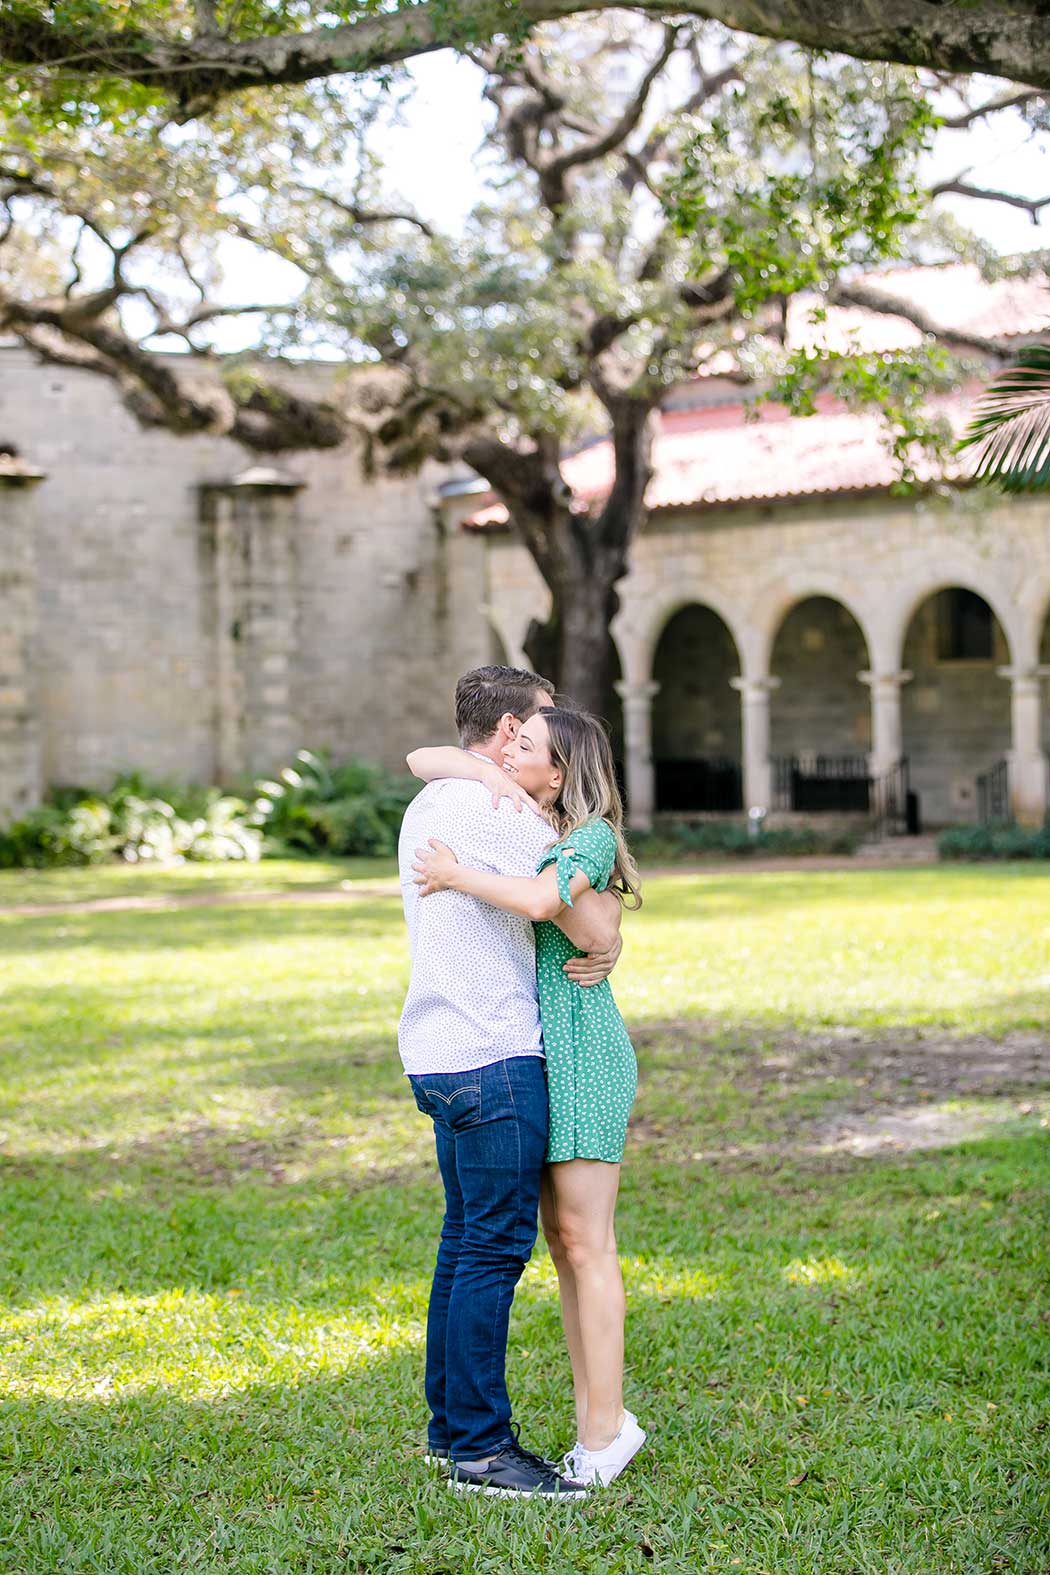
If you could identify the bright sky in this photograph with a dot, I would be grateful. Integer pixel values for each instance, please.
(432, 162)
(439, 175)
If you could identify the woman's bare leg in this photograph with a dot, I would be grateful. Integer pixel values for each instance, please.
(583, 1194)
(570, 1311)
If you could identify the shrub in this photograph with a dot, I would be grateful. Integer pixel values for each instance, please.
(994, 842)
(314, 807)
(311, 808)
(685, 839)
(136, 820)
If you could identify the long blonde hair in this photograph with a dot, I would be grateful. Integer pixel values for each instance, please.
(580, 750)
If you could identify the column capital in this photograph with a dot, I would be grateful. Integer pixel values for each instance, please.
(886, 681)
(636, 693)
(754, 689)
(16, 472)
(1024, 678)
(259, 478)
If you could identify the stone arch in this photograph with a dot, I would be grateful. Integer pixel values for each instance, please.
(819, 706)
(955, 711)
(506, 639)
(1002, 605)
(639, 653)
(498, 653)
(1043, 659)
(773, 607)
(696, 724)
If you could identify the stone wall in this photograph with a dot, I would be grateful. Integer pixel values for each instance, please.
(696, 713)
(955, 715)
(380, 603)
(820, 705)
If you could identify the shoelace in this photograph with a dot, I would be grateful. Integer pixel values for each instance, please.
(517, 1448)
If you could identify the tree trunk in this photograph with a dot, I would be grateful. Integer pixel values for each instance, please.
(574, 646)
(582, 557)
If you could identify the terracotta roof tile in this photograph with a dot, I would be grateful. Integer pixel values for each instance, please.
(711, 454)
(714, 456)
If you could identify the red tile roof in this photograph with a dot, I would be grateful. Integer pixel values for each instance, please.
(709, 453)
(715, 456)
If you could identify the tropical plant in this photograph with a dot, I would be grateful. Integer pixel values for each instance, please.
(137, 821)
(1010, 429)
(314, 807)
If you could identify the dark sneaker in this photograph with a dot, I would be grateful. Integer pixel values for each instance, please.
(527, 1455)
(512, 1474)
(436, 1456)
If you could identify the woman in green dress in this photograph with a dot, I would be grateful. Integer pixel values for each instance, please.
(561, 765)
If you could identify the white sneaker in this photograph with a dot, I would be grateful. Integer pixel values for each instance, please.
(598, 1467)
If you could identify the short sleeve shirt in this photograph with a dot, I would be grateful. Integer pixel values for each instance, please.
(472, 997)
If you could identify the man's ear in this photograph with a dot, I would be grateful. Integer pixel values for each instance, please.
(510, 724)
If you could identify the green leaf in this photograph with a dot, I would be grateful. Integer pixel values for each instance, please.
(1010, 429)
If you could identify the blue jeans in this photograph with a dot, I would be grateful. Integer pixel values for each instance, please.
(491, 1131)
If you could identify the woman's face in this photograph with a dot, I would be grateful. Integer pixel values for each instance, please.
(527, 759)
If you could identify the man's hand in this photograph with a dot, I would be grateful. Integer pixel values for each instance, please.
(594, 966)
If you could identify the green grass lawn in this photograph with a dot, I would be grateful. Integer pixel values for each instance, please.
(138, 880)
(218, 1212)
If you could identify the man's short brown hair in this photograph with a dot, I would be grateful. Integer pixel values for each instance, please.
(486, 693)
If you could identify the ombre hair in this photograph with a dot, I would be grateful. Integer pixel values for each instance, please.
(580, 749)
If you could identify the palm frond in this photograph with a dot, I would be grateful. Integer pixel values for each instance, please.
(1010, 428)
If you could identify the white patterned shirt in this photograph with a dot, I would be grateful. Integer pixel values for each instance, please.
(472, 996)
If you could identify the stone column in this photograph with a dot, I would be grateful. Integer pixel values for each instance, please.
(250, 545)
(886, 736)
(754, 700)
(638, 750)
(21, 784)
(1026, 761)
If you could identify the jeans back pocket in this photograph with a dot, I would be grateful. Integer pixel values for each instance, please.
(453, 1098)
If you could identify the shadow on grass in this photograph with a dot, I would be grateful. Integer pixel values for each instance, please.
(852, 1352)
(203, 928)
(94, 1223)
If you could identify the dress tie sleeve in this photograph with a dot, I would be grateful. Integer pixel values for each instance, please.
(590, 850)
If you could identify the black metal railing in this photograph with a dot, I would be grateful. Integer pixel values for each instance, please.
(993, 794)
(894, 807)
(711, 785)
(822, 784)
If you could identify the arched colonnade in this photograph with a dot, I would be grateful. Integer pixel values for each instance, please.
(811, 692)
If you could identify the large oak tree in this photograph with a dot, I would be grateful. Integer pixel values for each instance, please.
(657, 194)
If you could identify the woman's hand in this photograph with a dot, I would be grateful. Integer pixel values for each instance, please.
(437, 865)
(500, 785)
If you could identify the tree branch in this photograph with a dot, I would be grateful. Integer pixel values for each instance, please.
(1033, 206)
(182, 393)
(890, 305)
(533, 489)
(206, 24)
(990, 107)
(359, 215)
(555, 169)
(1004, 40)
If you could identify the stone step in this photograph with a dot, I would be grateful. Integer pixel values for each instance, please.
(900, 850)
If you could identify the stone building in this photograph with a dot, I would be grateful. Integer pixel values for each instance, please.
(169, 604)
(789, 634)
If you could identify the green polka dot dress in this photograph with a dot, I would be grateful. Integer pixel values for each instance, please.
(591, 1068)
